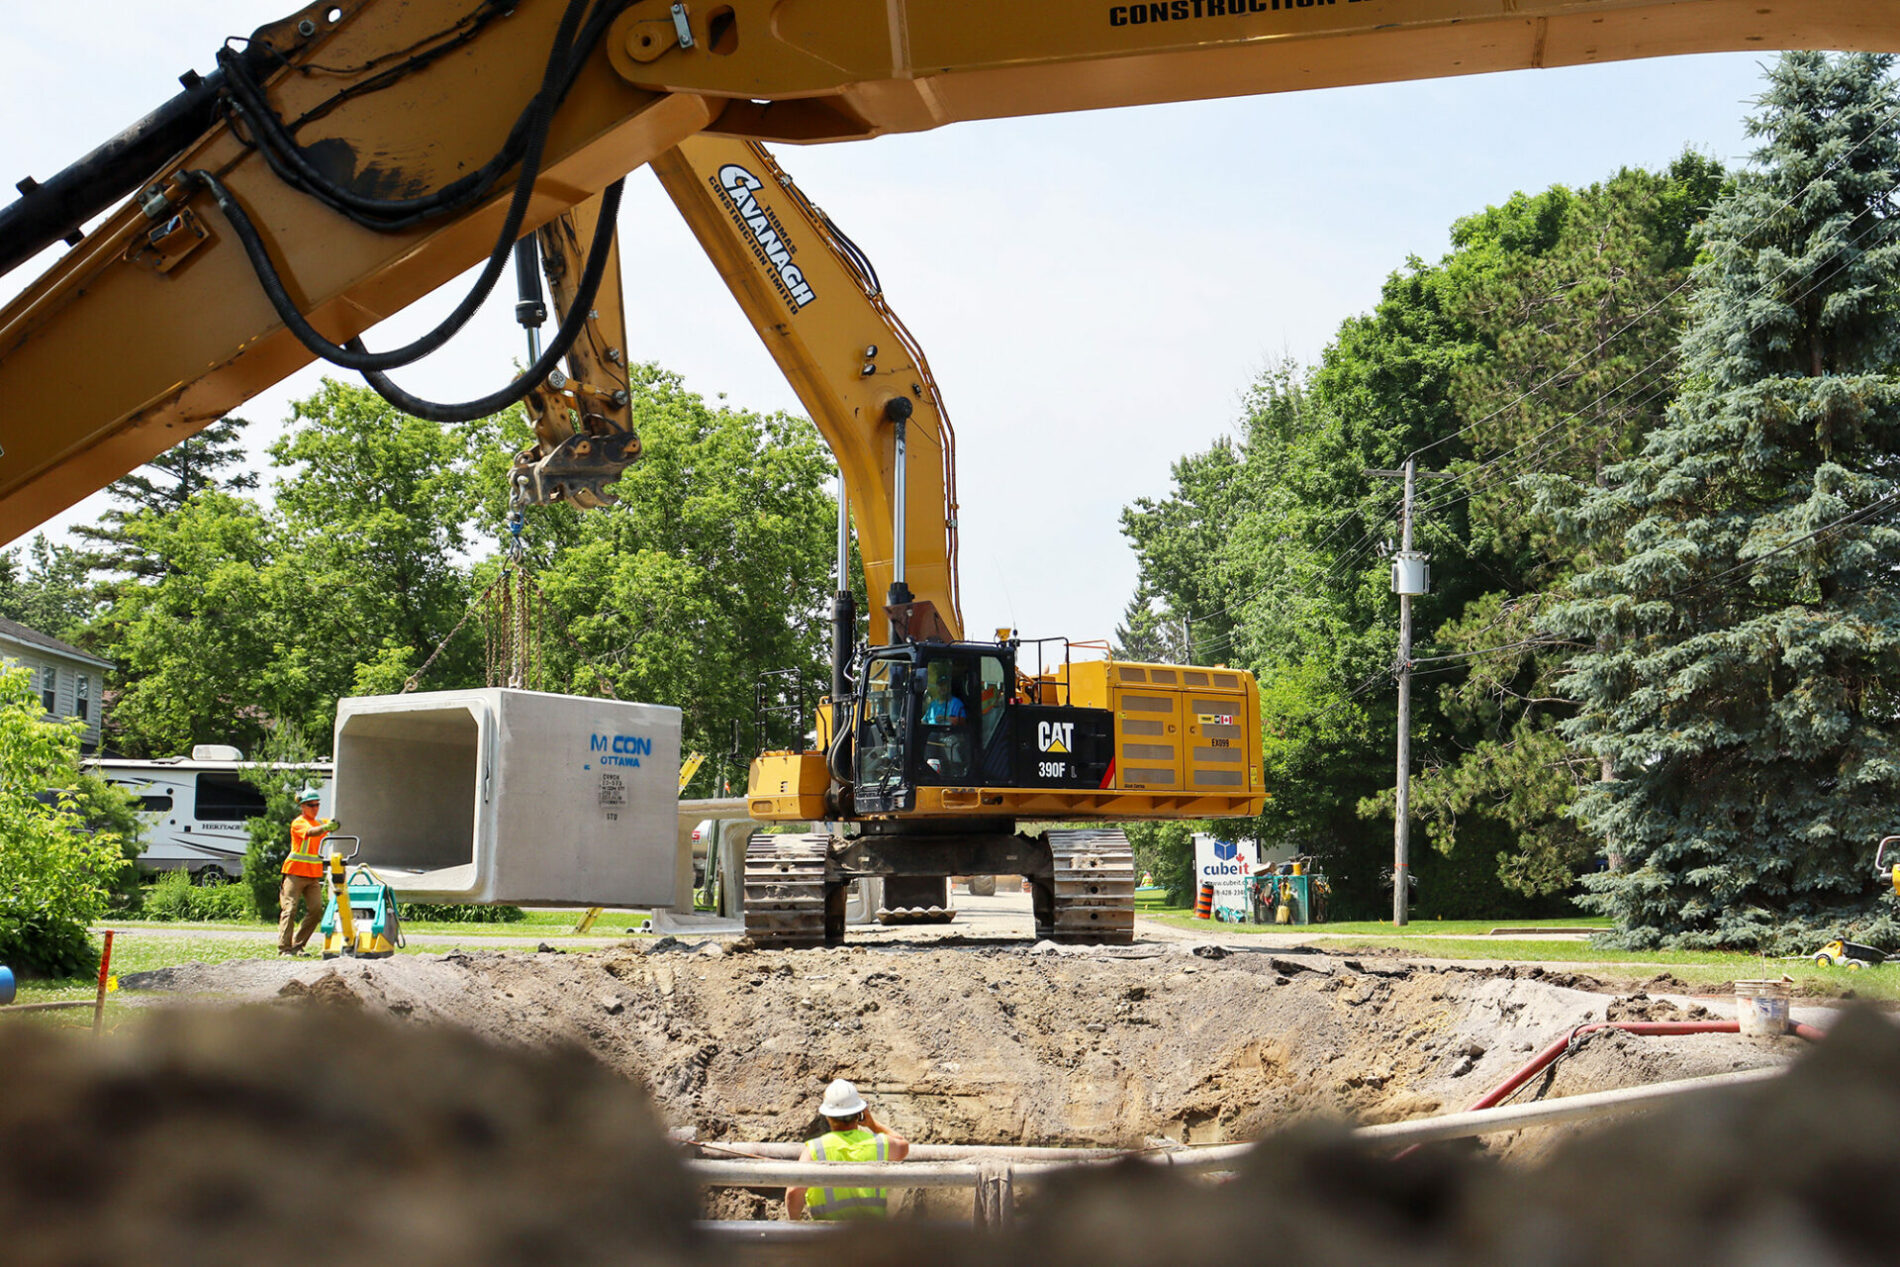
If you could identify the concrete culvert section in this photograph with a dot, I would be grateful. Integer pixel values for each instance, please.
(500, 795)
(409, 785)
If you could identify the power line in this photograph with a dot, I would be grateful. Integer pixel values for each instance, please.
(1819, 278)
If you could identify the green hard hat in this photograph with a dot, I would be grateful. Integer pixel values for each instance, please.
(310, 793)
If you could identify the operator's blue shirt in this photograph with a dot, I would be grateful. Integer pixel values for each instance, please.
(941, 712)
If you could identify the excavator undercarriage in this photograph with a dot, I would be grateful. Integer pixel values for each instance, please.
(1082, 881)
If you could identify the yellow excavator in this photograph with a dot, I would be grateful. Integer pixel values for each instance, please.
(353, 156)
(933, 746)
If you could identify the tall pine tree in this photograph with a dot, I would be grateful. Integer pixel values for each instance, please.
(1747, 631)
(162, 487)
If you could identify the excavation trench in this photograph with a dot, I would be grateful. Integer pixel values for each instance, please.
(1009, 1044)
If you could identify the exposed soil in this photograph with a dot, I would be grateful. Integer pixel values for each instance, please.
(1009, 1044)
(338, 1115)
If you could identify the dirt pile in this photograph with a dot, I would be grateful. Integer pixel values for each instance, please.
(1010, 1044)
(310, 1134)
(1798, 1171)
(220, 1139)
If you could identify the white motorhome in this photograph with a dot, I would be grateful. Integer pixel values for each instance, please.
(196, 809)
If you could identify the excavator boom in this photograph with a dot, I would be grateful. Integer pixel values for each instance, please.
(816, 301)
(369, 101)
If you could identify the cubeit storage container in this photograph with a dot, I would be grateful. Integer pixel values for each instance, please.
(501, 795)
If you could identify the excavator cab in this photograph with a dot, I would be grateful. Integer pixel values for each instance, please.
(946, 715)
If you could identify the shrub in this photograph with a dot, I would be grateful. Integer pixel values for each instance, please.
(419, 912)
(55, 874)
(107, 807)
(175, 897)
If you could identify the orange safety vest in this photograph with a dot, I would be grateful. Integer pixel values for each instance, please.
(306, 842)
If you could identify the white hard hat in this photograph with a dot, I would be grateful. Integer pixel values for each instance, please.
(842, 1100)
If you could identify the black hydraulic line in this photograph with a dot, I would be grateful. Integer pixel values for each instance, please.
(557, 78)
(288, 159)
(353, 355)
(570, 329)
(531, 310)
(57, 207)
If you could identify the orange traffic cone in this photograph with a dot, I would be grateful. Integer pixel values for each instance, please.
(1204, 909)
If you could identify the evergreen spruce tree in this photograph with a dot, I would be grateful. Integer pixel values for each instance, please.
(1744, 628)
(175, 476)
(1149, 634)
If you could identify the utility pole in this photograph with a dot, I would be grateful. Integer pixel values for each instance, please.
(1410, 576)
(1402, 811)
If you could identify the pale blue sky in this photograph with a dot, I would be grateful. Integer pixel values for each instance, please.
(1094, 291)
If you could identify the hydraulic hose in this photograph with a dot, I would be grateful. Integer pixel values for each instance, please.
(289, 161)
(57, 207)
(571, 326)
(838, 758)
(353, 355)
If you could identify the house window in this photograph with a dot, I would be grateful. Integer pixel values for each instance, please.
(82, 697)
(49, 688)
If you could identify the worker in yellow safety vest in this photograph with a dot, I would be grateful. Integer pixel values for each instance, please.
(855, 1136)
(303, 874)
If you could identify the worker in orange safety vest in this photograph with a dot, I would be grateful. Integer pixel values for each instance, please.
(303, 874)
(854, 1135)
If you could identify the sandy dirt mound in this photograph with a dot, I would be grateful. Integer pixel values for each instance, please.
(211, 1139)
(321, 1134)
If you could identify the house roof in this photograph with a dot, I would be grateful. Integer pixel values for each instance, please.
(14, 631)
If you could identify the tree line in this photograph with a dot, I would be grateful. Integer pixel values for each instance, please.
(1655, 671)
(240, 614)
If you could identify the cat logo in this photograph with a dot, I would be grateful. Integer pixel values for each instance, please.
(1055, 736)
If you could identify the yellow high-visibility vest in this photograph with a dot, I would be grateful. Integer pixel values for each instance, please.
(306, 844)
(848, 1203)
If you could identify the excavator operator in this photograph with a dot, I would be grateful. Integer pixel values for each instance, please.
(947, 742)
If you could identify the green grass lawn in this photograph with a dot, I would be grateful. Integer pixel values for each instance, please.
(1464, 940)
(213, 943)
(538, 923)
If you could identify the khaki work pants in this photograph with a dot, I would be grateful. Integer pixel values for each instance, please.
(310, 889)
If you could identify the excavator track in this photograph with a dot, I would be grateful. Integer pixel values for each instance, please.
(785, 894)
(1094, 889)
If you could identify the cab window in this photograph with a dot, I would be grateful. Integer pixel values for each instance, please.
(950, 719)
(882, 728)
(995, 695)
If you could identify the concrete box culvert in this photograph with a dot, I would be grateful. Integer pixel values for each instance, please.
(500, 795)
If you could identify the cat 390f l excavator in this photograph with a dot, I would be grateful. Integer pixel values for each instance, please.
(354, 155)
(932, 747)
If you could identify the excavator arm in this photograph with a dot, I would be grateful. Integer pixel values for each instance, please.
(357, 154)
(583, 438)
(816, 301)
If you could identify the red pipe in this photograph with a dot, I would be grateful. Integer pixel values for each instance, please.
(1549, 1055)
(1544, 1059)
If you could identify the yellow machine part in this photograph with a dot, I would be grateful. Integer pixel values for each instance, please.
(787, 787)
(1187, 745)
